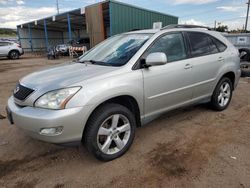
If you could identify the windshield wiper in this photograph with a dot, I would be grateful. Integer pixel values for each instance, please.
(96, 62)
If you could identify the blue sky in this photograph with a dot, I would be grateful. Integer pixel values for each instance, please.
(204, 12)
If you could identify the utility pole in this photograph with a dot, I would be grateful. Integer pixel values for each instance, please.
(57, 6)
(215, 25)
(248, 4)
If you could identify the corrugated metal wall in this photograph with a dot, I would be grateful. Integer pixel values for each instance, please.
(125, 18)
(239, 40)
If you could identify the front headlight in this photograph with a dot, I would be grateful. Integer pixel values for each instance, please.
(56, 99)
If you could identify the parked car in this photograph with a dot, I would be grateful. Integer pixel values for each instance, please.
(123, 83)
(63, 49)
(10, 49)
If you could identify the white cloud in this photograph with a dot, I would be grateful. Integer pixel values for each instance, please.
(20, 2)
(230, 8)
(5, 2)
(198, 2)
(192, 22)
(232, 25)
(12, 16)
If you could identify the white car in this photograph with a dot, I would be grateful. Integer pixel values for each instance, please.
(123, 83)
(10, 49)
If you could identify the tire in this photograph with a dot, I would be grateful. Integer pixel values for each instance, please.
(102, 133)
(245, 69)
(14, 54)
(221, 98)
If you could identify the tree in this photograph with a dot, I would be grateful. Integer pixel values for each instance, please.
(222, 28)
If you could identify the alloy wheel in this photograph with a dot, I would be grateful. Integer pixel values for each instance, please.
(113, 134)
(224, 95)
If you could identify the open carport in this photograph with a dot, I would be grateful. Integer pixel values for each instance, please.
(96, 22)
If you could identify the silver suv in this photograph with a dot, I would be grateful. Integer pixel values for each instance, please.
(10, 49)
(123, 83)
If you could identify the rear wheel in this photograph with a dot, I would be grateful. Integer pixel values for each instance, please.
(110, 132)
(222, 94)
(14, 54)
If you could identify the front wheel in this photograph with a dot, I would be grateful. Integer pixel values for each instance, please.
(222, 94)
(110, 131)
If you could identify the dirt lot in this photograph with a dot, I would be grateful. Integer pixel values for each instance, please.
(192, 147)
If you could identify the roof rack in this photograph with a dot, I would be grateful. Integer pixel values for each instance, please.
(174, 26)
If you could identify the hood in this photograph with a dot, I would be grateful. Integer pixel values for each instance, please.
(64, 75)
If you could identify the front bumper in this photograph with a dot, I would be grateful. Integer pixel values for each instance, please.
(32, 120)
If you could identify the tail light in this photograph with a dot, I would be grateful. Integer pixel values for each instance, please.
(18, 45)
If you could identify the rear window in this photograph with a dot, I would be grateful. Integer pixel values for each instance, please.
(204, 44)
(221, 47)
(199, 44)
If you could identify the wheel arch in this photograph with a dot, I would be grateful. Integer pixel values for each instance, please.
(124, 100)
(231, 76)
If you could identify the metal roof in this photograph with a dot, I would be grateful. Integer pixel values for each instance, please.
(77, 21)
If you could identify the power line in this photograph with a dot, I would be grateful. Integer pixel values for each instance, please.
(229, 19)
(248, 4)
(57, 6)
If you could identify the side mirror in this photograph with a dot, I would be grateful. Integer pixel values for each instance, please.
(155, 59)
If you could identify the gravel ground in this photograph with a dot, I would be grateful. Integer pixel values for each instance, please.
(191, 147)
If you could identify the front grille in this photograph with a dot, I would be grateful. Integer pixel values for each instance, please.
(21, 92)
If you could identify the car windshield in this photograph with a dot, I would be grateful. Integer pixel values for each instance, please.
(116, 51)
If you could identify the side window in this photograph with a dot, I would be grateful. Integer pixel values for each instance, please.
(212, 46)
(222, 47)
(171, 44)
(199, 44)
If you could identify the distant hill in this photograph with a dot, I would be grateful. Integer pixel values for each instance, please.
(5, 32)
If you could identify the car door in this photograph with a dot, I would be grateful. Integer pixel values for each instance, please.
(4, 48)
(170, 85)
(206, 61)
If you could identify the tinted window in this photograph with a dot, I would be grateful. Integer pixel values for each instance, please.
(172, 45)
(4, 43)
(199, 44)
(222, 47)
(212, 46)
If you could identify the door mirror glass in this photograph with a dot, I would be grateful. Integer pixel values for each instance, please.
(157, 58)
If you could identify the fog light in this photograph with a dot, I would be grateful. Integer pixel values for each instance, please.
(53, 131)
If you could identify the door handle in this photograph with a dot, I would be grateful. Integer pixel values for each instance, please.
(188, 66)
(221, 59)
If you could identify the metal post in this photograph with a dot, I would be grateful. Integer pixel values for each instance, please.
(30, 37)
(110, 21)
(78, 34)
(46, 35)
(18, 35)
(62, 38)
(57, 6)
(248, 4)
(69, 28)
